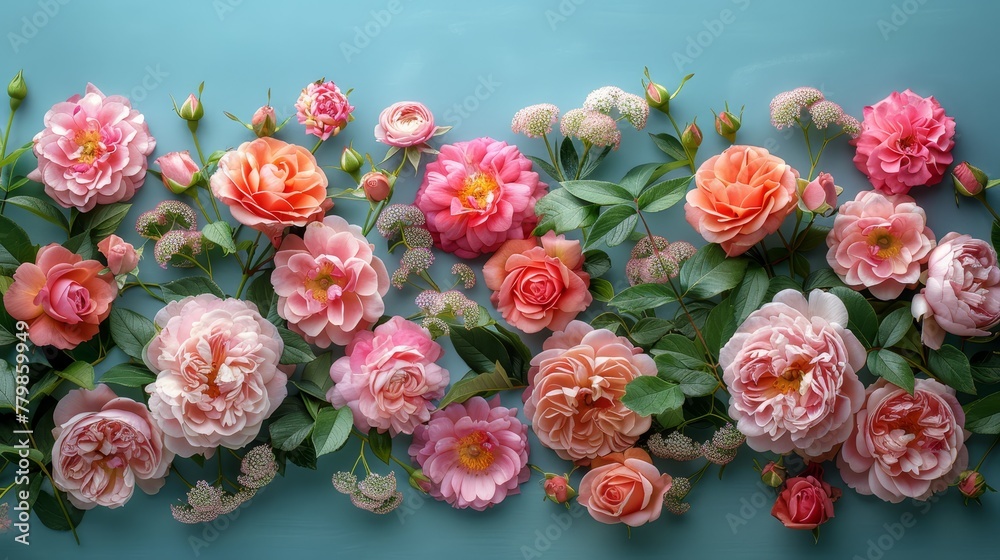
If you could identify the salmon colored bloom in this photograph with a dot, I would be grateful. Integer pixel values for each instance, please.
(624, 488)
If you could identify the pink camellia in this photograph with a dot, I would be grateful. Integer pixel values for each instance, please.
(121, 255)
(217, 374)
(477, 195)
(323, 109)
(741, 196)
(177, 170)
(105, 445)
(270, 185)
(62, 297)
(538, 283)
(389, 377)
(879, 242)
(575, 388)
(806, 501)
(961, 295)
(624, 488)
(329, 282)
(92, 151)
(474, 453)
(905, 141)
(405, 124)
(905, 446)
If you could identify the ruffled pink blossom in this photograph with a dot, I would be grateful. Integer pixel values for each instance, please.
(405, 124)
(324, 109)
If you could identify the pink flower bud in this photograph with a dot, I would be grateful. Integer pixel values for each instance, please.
(351, 160)
(773, 474)
(122, 257)
(972, 485)
(191, 110)
(969, 180)
(376, 186)
(178, 171)
(657, 96)
(557, 488)
(726, 124)
(819, 195)
(264, 122)
(691, 137)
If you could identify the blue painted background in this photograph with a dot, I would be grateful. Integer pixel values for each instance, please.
(474, 64)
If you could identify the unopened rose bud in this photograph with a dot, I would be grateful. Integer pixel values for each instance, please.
(122, 256)
(264, 122)
(419, 481)
(818, 196)
(376, 186)
(657, 96)
(691, 137)
(178, 171)
(969, 180)
(351, 160)
(17, 90)
(557, 488)
(726, 124)
(972, 485)
(192, 109)
(773, 474)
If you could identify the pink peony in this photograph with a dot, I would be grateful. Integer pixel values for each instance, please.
(879, 242)
(477, 195)
(536, 287)
(624, 488)
(962, 291)
(329, 282)
(474, 453)
(389, 377)
(92, 151)
(905, 141)
(122, 256)
(177, 170)
(105, 445)
(323, 109)
(217, 374)
(62, 297)
(575, 388)
(741, 196)
(405, 124)
(905, 446)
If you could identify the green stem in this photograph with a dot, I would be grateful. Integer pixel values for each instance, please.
(197, 147)
(552, 157)
(423, 274)
(3, 154)
(687, 152)
(364, 439)
(980, 463)
(55, 493)
(180, 476)
(221, 476)
(196, 263)
(197, 202)
(148, 291)
(316, 147)
(583, 158)
(215, 205)
(980, 198)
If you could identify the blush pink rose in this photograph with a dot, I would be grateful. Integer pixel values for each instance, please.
(879, 242)
(905, 446)
(538, 283)
(177, 171)
(741, 196)
(575, 388)
(270, 185)
(217, 374)
(791, 370)
(389, 377)
(905, 141)
(806, 501)
(961, 295)
(92, 151)
(106, 445)
(62, 297)
(324, 109)
(405, 124)
(122, 256)
(624, 488)
(477, 195)
(329, 282)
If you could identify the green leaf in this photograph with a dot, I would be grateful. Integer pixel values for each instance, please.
(811, 238)
(862, 319)
(663, 195)
(800, 264)
(381, 444)
(951, 366)
(102, 221)
(592, 162)
(643, 297)
(479, 348)
(670, 418)
(778, 284)
(82, 245)
(892, 367)
(983, 416)
(561, 212)
(995, 236)
(41, 208)
(190, 286)
(598, 192)
(647, 395)
(894, 327)
(622, 232)
(568, 158)
(128, 375)
(14, 452)
(8, 386)
(638, 177)
(649, 329)
(51, 515)
(608, 221)
(669, 145)
(261, 293)
(130, 331)
(986, 366)
(519, 353)
(79, 372)
(317, 371)
(488, 382)
(596, 263)
(16, 244)
(297, 350)
(333, 427)
(749, 294)
(709, 272)
(601, 289)
(546, 167)
(720, 326)
(309, 388)
(612, 322)
(291, 429)
(822, 279)
(220, 233)
(16, 154)
(679, 344)
(686, 372)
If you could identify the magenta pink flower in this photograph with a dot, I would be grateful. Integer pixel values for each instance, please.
(905, 141)
(217, 374)
(405, 124)
(329, 282)
(106, 445)
(474, 453)
(791, 370)
(323, 109)
(962, 291)
(92, 151)
(477, 195)
(879, 242)
(389, 377)
(905, 446)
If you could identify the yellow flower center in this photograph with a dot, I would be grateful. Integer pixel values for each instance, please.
(478, 191)
(885, 243)
(90, 145)
(475, 451)
(789, 381)
(220, 349)
(319, 284)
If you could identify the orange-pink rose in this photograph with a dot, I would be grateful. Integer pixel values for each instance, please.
(741, 196)
(624, 488)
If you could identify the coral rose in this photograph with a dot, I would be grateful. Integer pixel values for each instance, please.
(217, 374)
(905, 446)
(122, 256)
(62, 297)
(405, 124)
(741, 196)
(92, 151)
(624, 488)
(806, 501)
(575, 388)
(536, 287)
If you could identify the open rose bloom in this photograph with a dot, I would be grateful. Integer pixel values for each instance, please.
(624, 488)
(405, 124)
(805, 501)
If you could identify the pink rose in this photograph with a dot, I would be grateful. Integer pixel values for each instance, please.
(105, 445)
(122, 257)
(477, 195)
(818, 195)
(92, 151)
(791, 370)
(405, 124)
(741, 196)
(905, 446)
(905, 141)
(962, 291)
(376, 186)
(624, 488)
(329, 282)
(536, 287)
(557, 488)
(806, 502)
(575, 388)
(389, 377)
(217, 374)
(323, 109)
(177, 170)
(62, 297)
(879, 242)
